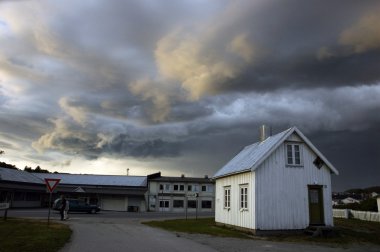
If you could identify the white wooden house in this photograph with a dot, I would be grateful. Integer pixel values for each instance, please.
(280, 183)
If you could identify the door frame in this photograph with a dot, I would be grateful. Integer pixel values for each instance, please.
(321, 204)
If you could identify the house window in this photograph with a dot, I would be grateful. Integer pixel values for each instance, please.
(293, 154)
(206, 204)
(243, 197)
(204, 188)
(161, 187)
(227, 197)
(189, 188)
(182, 188)
(177, 203)
(167, 187)
(176, 187)
(191, 204)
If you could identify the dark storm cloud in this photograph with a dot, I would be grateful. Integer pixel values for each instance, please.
(187, 82)
(356, 155)
(290, 38)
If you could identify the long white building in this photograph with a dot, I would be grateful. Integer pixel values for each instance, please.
(280, 183)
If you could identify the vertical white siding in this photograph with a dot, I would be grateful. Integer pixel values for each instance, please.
(234, 216)
(282, 192)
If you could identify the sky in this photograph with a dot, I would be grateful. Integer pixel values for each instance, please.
(181, 87)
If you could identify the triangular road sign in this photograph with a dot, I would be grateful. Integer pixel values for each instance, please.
(51, 183)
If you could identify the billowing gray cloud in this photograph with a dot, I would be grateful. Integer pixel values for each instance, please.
(186, 83)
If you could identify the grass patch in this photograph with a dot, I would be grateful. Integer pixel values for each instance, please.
(200, 226)
(348, 231)
(31, 235)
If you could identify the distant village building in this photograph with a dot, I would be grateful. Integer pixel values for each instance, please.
(180, 194)
(282, 182)
(110, 192)
(349, 200)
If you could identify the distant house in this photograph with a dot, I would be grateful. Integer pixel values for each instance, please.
(349, 200)
(180, 194)
(282, 182)
(374, 195)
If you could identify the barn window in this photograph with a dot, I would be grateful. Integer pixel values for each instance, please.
(293, 154)
(243, 197)
(227, 197)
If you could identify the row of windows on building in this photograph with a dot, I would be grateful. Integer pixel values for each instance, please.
(190, 188)
(243, 197)
(205, 204)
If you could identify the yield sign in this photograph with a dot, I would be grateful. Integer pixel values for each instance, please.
(51, 183)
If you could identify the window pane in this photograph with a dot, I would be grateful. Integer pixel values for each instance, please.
(182, 188)
(204, 188)
(161, 187)
(206, 203)
(175, 187)
(297, 158)
(289, 153)
(191, 204)
(178, 203)
(189, 188)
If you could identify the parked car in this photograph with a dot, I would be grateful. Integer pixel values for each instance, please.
(76, 205)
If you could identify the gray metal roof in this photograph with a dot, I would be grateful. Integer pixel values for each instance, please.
(183, 179)
(14, 175)
(247, 158)
(101, 180)
(253, 155)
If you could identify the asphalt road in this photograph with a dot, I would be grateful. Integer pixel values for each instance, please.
(120, 231)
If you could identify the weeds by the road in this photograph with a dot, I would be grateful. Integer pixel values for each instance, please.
(31, 235)
(347, 230)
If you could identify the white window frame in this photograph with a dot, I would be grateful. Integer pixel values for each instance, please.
(243, 197)
(227, 197)
(293, 154)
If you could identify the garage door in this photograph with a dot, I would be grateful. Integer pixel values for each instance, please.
(114, 203)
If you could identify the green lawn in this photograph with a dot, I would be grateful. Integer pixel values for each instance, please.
(348, 231)
(200, 226)
(31, 235)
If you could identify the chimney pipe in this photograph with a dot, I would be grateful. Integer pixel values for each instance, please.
(264, 132)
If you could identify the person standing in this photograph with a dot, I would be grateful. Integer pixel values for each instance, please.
(63, 207)
(66, 211)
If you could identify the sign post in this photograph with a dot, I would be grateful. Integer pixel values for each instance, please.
(193, 195)
(51, 185)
